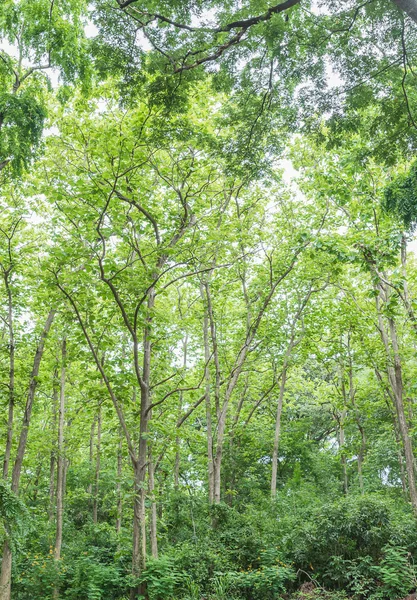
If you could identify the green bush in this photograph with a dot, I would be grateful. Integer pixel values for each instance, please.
(162, 578)
(396, 573)
(269, 578)
(87, 579)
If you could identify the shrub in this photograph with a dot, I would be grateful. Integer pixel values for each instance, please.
(162, 578)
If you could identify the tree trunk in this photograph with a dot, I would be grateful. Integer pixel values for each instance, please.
(361, 453)
(237, 369)
(97, 469)
(119, 483)
(402, 421)
(210, 462)
(10, 327)
(177, 439)
(91, 456)
(278, 432)
(139, 512)
(343, 454)
(389, 398)
(6, 572)
(396, 383)
(53, 451)
(153, 520)
(61, 462)
(6, 565)
(361, 456)
(400, 459)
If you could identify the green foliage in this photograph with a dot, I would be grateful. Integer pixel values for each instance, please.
(22, 119)
(92, 580)
(223, 309)
(38, 576)
(268, 580)
(351, 528)
(400, 197)
(396, 573)
(13, 513)
(162, 578)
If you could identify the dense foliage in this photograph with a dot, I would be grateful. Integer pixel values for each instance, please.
(208, 319)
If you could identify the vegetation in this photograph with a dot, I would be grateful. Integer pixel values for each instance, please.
(209, 299)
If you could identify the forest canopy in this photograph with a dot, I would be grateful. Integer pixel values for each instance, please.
(208, 326)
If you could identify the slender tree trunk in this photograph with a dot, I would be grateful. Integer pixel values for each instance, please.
(177, 439)
(213, 335)
(400, 459)
(402, 421)
(53, 451)
(232, 445)
(389, 398)
(221, 423)
(119, 483)
(362, 450)
(36, 482)
(278, 432)
(61, 462)
(139, 512)
(97, 469)
(396, 383)
(10, 418)
(153, 520)
(6, 565)
(91, 456)
(361, 457)
(345, 484)
(237, 369)
(210, 461)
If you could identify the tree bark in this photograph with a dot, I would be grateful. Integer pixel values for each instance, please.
(61, 461)
(153, 520)
(53, 451)
(207, 395)
(97, 469)
(345, 483)
(6, 565)
(180, 402)
(396, 382)
(139, 512)
(402, 420)
(362, 450)
(119, 484)
(91, 456)
(278, 432)
(10, 418)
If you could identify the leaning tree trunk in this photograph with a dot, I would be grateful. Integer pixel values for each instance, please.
(10, 418)
(396, 382)
(402, 420)
(6, 565)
